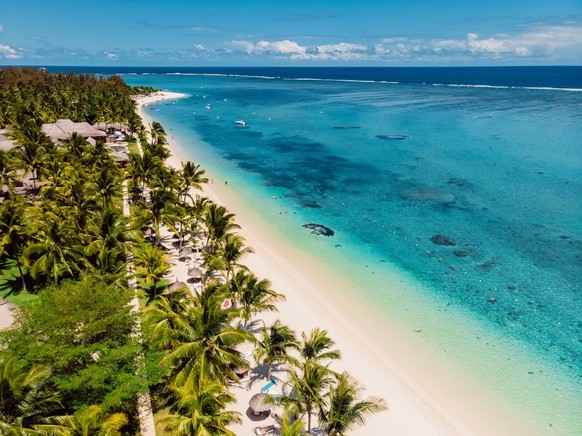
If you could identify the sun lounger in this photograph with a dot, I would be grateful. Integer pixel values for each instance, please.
(268, 386)
(264, 430)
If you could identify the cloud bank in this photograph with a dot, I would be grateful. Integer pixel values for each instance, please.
(543, 42)
(536, 44)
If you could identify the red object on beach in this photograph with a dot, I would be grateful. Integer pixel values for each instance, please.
(226, 304)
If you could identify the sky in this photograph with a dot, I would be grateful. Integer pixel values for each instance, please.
(290, 33)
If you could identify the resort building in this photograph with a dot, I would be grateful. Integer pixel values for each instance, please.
(63, 129)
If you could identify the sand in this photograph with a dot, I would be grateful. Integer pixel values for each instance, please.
(6, 315)
(424, 395)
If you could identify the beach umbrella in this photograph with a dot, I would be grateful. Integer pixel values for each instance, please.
(175, 286)
(185, 251)
(257, 403)
(195, 272)
(241, 370)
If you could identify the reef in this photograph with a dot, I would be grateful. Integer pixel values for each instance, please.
(319, 229)
(393, 137)
(310, 204)
(443, 240)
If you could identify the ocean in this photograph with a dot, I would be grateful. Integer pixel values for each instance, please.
(466, 181)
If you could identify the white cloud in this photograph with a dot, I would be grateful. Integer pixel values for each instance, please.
(541, 41)
(295, 51)
(8, 52)
(111, 56)
(285, 47)
(245, 46)
(552, 42)
(342, 51)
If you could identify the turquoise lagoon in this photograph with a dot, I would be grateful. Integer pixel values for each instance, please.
(471, 193)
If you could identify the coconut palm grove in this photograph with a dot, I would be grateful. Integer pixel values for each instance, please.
(98, 325)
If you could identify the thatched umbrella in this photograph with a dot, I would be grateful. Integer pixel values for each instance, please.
(257, 403)
(176, 285)
(195, 272)
(241, 370)
(185, 251)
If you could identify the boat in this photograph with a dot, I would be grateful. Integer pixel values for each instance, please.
(208, 107)
(241, 122)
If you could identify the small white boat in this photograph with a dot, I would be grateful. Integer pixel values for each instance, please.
(208, 107)
(241, 122)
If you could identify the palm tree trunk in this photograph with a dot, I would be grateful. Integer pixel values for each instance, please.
(269, 371)
(154, 294)
(181, 239)
(21, 274)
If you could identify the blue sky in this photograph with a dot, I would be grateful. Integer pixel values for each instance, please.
(300, 32)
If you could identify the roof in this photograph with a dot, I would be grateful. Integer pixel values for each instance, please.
(116, 126)
(120, 157)
(62, 129)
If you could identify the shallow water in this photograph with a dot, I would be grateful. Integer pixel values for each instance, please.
(475, 193)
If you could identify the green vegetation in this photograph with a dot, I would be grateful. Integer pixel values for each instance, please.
(83, 332)
(75, 359)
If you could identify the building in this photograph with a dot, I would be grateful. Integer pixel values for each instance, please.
(63, 129)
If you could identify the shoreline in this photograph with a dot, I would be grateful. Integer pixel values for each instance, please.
(424, 397)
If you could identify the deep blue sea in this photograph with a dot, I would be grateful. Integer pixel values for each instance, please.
(467, 179)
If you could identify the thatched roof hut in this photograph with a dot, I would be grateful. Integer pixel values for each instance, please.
(62, 129)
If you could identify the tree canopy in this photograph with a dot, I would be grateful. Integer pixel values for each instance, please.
(82, 330)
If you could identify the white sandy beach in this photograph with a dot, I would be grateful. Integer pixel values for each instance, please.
(425, 396)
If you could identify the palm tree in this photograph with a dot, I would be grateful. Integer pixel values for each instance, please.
(254, 295)
(91, 421)
(219, 222)
(207, 345)
(161, 209)
(7, 173)
(188, 221)
(134, 123)
(141, 168)
(110, 238)
(167, 317)
(107, 185)
(55, 248)
(274, 345)
(229, 256)
(345, 411)
(75, 146)
(13, 233)
(81, 201)
(31, 143)
(200, 405)
(24, 397)
(192, 177)
(152, 263)
(290, 427)
(307, 390)
(317, 346)
(158, 134)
